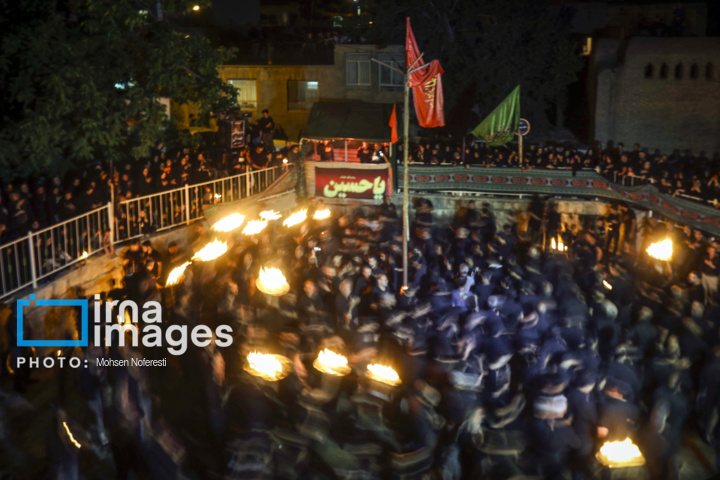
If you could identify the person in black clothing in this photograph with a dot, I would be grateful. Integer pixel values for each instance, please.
(266, 124)
(365, 153)
(612, 230)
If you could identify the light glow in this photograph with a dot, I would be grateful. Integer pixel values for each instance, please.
(270, 215)
(268, 367)
(254, 227)
(661, 250)
(322, 214)
(196, 8)
(70, 435)
(383, 374)
(211, 251)
(229, 223)
(84, 255)
(272, 281)
(331, 363)
(176, 275)
(620, 454)
(607, 285)
(295, 218)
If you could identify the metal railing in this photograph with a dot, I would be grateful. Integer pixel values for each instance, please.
(160, 211)
(26, 261)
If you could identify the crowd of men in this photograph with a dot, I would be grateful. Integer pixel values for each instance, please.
(694, 176)
(515, 358)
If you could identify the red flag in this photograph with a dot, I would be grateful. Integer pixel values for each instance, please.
(393, 127)
(426, 84)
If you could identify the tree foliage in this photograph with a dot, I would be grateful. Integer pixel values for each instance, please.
(486, 49)
(80, 79)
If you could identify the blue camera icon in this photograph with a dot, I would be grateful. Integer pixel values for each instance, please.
(84, 337)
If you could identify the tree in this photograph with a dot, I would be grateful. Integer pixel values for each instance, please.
(486, 49)
(80, 79)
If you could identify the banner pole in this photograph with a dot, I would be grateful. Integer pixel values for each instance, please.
(406, 147)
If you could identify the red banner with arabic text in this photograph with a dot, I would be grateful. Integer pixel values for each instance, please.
(359, 184)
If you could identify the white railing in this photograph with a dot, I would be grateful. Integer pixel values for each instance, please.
(153, 213)
(40, 254)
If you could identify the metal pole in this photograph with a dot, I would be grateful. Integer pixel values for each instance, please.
(520, 149)
(32, 259)
(111, 219)
(406, 147)
(187, 204)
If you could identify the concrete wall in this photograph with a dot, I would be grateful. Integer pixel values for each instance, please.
(272, 84)
(661, 113)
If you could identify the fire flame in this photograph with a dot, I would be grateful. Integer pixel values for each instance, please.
(270, 215)
(229, 223)
(217, 195)
(322, 214)
(176, 274)
(254, 227)
(268, 367)
(607, 285)
(70, 435)
(84, 255)
(211, 251)
(272, 281)
(661, 250)
(332, 363)
(620, 454)
(295, 218)
(384, 374)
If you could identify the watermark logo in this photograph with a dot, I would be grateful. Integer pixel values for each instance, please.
(31, 301)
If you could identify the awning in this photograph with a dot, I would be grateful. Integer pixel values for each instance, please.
(355, 120)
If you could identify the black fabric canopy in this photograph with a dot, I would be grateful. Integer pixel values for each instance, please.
(356, 120)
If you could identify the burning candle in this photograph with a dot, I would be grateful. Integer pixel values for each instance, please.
(272, 281)
(211, 251)
(295, 218)
(661, 250)
(322, 214)
(270, 215)
(331, 363)
(254, 227)
(383, 374)
(620, 454)
(268, 367)
(229, 223)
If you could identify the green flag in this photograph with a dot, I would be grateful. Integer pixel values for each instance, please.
(500, 126)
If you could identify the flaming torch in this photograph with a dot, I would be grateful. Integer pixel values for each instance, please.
(229, 223)
(295, 218)
(270, 215)
(383, 374)
(322, 214)
(270, 368)
(211, 251)
(620, 454)
(84, 255)
(331, 363)
(254, 227)
(272, 281)
(176, 275)
(661, 250)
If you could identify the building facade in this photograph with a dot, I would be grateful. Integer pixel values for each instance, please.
(289, 91)
(663, 93)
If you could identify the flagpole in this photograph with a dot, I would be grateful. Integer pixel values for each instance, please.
(406, 147)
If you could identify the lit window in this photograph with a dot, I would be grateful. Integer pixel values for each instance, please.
(357, 70)
(390, 79)
(301, 94)
(246, 93)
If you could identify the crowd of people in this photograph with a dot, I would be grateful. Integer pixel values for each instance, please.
(515, 357)
(683, 174)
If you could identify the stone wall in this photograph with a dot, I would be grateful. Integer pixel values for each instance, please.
(663, 93)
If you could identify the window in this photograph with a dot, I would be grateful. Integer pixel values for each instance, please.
(709, 72)
(679, 71)
(357, 70)
(663, 71)
(246, 93)
(649, 70)
(301, 95)
(694, 71)
(390, 79)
